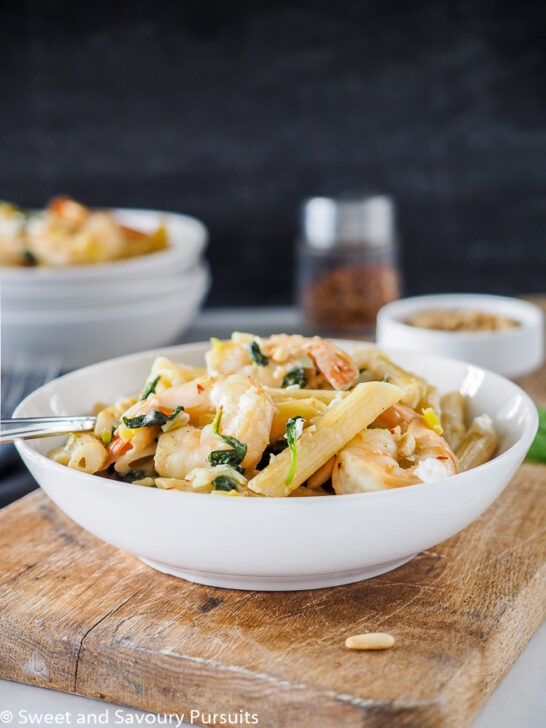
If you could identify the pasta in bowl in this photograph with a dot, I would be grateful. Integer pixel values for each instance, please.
(282, 416)
(250, 429)
(67, 233)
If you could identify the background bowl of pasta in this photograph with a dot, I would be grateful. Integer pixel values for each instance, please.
(82, 334)
(85, 285)
(184, 244)
(277, 543)
(68, 236)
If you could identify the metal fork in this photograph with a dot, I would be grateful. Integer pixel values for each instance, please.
(27, 428)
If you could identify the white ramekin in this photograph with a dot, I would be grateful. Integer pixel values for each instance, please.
(510, 352)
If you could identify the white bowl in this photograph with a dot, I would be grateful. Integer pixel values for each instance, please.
(86, 335)
(187, 239)
(510, 352)
(101, 292)
(276, 543)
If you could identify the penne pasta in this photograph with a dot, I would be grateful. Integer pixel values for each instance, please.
(272, 417)
(307, 408)
(323, 395)
(383, 368)
(321, 475)
(317, 445)
(174, 484)
(430, 400)
(453, 418)
(86, 453)
(171, 374)
(302, 492)
(108, 417)
(60, 455)
(478, 445)
(141, 459)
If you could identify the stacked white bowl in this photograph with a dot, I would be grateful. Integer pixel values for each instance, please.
(87, 313)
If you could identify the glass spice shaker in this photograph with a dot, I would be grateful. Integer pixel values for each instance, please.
(347, 263)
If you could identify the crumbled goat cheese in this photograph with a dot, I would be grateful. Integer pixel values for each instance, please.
(484, 423)
(431, 469)
(337, 399)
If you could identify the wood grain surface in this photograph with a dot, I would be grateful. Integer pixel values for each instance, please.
(79, 615)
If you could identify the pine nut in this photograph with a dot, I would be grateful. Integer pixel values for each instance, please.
(370, 641)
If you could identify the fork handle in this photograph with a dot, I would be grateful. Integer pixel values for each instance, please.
(26, 428)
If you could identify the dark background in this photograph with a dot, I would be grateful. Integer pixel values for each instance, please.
(234, 111)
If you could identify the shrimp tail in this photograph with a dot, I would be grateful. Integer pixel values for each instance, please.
(337, 367)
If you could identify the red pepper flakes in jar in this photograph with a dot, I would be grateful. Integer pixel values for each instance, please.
(347, 263)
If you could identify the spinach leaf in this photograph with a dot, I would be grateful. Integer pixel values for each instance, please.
(155, 417)
(294, 376)
(274, 449)
(256, 354)
(29, 257)
(227, 457)
(131, 475)
(150, 388)
(232, 457)
(224, 482)
(239, 447)
(294, 428)
(277, 447)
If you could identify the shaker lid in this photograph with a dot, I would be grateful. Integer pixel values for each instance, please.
(366, 220)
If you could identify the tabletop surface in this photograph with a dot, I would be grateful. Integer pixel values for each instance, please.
(518, 697)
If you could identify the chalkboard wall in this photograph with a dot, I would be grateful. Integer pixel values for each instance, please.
(235, 111)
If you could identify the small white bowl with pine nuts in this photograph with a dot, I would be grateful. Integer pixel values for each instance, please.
(503, 334)
(277, 544)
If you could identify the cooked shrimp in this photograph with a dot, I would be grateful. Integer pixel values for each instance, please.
(336, 365)
(180, 451)
(194, 396)
(247, 414)
(231, 357)
(68, 211)
(372, 460)
(69, 234)
(323, 363)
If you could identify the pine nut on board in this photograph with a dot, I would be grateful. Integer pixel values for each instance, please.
(370, 641)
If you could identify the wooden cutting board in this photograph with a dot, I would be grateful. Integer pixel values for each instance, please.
(79, 615)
